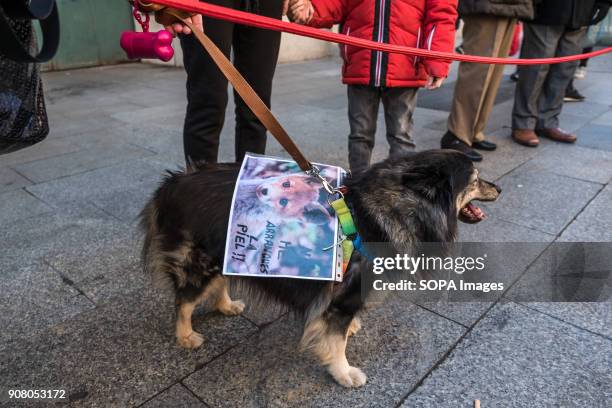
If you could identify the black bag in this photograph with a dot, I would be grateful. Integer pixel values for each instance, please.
(23, 116)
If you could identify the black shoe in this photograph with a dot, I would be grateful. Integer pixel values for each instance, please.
(572, 95)
(484, 145)
(460, 50)
(514, 76)
(450, 141)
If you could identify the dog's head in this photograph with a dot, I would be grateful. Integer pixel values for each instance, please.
(449, 177)
(293, 195)
(419, 197)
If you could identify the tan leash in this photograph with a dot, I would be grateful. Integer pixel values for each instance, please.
(167, 16)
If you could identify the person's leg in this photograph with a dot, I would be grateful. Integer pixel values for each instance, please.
(480, 37)
(399, 104)
(540, 41)
(255, 56)
(585, 62)
(206, 91)
(559, 77)
(363, 104)
(503, 41)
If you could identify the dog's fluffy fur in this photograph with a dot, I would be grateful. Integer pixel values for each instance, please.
(401, 201)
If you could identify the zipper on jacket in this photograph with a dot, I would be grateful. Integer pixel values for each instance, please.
(418, 45)
(348, 32)
(381, 30)
(431, 35)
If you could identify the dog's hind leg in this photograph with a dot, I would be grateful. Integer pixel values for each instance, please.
(326, 336)
(225, 304)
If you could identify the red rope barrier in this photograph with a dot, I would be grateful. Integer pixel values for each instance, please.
(241, 17)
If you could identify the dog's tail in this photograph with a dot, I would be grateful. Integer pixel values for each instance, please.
(155, 261)
(165, 266)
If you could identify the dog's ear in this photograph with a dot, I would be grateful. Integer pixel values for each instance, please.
(427, 180)
(316, 214)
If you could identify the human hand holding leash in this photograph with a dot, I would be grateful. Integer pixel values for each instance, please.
(434, 82)
(179, 28)
(300, 11)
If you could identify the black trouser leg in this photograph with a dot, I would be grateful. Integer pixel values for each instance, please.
(255, 56)
(206, 90)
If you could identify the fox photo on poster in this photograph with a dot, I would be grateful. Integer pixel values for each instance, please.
(281, 224)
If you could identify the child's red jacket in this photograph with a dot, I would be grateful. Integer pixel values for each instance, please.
(428, 24)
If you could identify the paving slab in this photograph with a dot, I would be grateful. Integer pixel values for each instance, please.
(595, 136)
(396, 346)
(165, 140)
(604, 119)
(176, 396)
(595, 317)
(101, 155)
(49, 147)
(573, 282)
(11, 180)
(592, 224)
(61, 126)
(572, 123)
(99, 102)
(591, 109)
(70, 228)
(102, 270)
(29, 286)
(568, 160)
(493, 229)
(19, 204)
(112, 356)
(107, 180)
(596, 92)
(517, 357)
(531, 198)
(505, 263)
(508, 155)
(33, 297)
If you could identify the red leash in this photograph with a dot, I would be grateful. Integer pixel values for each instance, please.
(241, 17)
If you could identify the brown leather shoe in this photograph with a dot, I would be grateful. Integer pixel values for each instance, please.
(557, 134)
(526, 137)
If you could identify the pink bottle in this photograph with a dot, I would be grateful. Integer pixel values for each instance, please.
(148, 45)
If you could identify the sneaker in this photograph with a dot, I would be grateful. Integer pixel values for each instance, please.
(460, 50)
(572, 95)
(580, 73)
(514, 76)
(450, 141)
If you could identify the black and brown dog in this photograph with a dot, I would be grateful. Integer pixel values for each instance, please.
(401, 201)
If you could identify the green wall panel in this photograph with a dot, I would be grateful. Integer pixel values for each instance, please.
(90, 32)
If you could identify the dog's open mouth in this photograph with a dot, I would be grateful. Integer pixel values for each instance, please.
(471, 214)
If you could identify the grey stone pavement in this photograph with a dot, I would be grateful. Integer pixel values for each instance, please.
(77, 313)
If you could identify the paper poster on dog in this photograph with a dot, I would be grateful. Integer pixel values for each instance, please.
(281, 224)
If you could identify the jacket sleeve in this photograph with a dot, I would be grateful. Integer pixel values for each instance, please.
(439, 29)
(328, 12)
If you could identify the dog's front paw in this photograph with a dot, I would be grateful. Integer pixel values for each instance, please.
(353, 377)
(233, 308)
(191, 341)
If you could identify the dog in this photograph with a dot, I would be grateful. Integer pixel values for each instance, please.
(401, 201)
